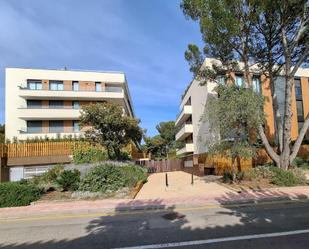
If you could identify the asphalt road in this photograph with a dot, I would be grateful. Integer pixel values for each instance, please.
(274, 225)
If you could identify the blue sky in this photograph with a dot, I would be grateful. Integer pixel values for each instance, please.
(146, 39)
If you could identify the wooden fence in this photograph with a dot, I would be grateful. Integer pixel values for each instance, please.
(41, 149)
(164, 165)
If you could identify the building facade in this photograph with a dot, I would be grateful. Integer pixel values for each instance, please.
(43, 103)
(193, 126)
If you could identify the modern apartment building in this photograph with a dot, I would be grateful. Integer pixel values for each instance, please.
(194, 129)
(47, 103)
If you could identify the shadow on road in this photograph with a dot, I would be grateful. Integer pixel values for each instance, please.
(169, 225)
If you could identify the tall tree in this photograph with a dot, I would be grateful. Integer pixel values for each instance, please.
(106, 124)
(163, 143)
(271, 34)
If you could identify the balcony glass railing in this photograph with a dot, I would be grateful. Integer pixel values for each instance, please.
(114, 89)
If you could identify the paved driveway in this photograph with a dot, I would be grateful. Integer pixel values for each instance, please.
(179, 185)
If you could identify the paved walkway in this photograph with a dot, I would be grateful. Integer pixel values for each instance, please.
(107, 206)
(179, 186)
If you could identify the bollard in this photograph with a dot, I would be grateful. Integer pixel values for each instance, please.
(166, 180)
(192, 178)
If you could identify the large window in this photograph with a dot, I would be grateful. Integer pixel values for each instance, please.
(299, 103)
(76, 126)
(56, 126)
(34, 84)
(34, 126)
(34, 104)
(98, 86)
(56, 104)
(75, 104)
(75, 85)
(256, 84)
(239, 80)
(55, 85)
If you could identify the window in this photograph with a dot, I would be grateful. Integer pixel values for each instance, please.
(75, 125)
(98, 86)
(34, 126)
(75, 85)
(239, 80)
(56, 85)
(56, 104)
(300, 111)
(256, 84)
(30, 172)
(75, 104)
(34, 84)
(298, 92)
(56, 126)
(34, 104)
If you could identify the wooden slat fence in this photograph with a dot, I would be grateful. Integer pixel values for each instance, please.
(3, 150)
(64, 148)
(165, 165)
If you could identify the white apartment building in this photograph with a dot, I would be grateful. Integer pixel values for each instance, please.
(193, 126)
(193, 130)
(45, 102)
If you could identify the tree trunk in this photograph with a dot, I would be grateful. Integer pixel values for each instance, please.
(233, 168)
(287, 123)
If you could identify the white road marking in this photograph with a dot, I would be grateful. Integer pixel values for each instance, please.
(218, 240)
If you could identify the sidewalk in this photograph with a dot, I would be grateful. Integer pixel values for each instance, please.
(112, 206)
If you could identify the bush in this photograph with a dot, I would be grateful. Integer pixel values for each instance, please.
(110, 178)
(69, 180)
(285, 177)
(124, 156)
(48, 180)
(88, 155)
(13, 194)
(301, 163)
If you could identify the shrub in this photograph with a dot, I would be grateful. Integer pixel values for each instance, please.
(124, 156)
(110, 178)
(260, 172)
(301, 163)
(48, 181)
(13, 194)
(284, 177)
(88, 155)
(69, 180)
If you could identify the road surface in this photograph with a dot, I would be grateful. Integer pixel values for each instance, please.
(276, 225)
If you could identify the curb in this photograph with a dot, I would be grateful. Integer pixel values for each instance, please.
(129, 209)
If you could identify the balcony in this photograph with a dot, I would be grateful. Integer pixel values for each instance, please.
(108, 93)
(184, 114)
(48, 114)
(185, 131)
(24, 135)
(188, 148)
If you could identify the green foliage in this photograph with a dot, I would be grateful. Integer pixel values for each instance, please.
(48, 180)
(13, 194)
(163, 143)
(86, 154)
(123, 156)
(286, 177)
(110, 127)
(278, 176)
(69, 180)
(301, 163)
(110, 178)
(235, 115)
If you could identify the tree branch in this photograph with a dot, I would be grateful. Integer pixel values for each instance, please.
(301, 59)
(299, 140)
(268, 148)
